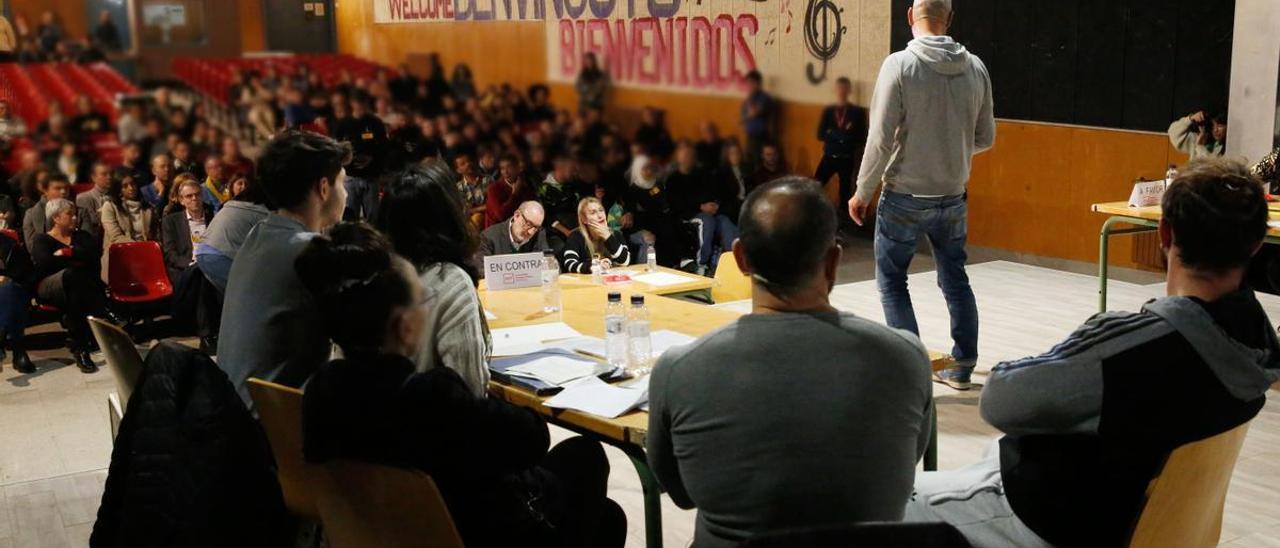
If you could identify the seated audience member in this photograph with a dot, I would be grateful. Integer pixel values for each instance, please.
(87, 121)
(182, 230)
(70, 163)
(270, 324)
(1199, 135)
(732, 180)
(844, 446)
(68, 264)
(771, 167)
(1088, 425)
(489, 457)
(228, 231)
(17, 279)
(184, 160)
(11, 126)
(232, 160)
(653, 136)
(474, 187)
(125, 216)
(646, 210)
(522, 233)
(90, 201)
(710, 146)
(692, 192)
(560, 201)
(217, 184)
(34, 221)
(507, 192)
(157, 193)
(367, 136)
(423, 215)
(593, 239)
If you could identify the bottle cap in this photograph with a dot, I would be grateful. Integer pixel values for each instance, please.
(615, 297)
(637, 299)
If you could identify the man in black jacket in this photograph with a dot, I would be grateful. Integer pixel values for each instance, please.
(843, 132)
(369, 143)
(1089, 424)
(693, 195)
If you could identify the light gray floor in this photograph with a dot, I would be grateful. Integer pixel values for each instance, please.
(55, 439)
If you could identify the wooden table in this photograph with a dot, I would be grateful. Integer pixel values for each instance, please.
(1144, 219)
(699, 286)
(582, 307)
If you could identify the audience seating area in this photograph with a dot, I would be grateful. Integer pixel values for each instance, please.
(31, 88)
(213, 76)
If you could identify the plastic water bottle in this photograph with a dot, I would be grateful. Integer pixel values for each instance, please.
(597, 271)
(652, 260)
(615, 331)
(550, 282)
(639, 346)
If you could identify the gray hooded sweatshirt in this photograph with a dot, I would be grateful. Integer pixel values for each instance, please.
(930, 114)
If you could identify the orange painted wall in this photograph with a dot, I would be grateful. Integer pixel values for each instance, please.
(70, 14)
(1030, 194)
(251, 34)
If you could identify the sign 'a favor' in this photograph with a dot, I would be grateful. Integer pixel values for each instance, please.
(513, 271)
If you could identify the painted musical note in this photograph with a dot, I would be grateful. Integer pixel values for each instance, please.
(823, 33)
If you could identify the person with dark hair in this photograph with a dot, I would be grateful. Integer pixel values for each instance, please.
(1089, 424)
(489, 458)
(68, 270)
(559, 198)
(931, 113)
(506, 193)
(593, 239)
(844, 447)
(694, 198)
(90, 201)
(769, 166)
(1199, 135)
(757, 115)
(126, 217)
(17, 283)
(424, 216)
(843, 132)
(367, 136)
(653, 135)
(592, 83)
(229, 229)
(474, 187)
(270, 328)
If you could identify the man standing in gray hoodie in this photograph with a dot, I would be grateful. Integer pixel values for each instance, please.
(1090, 423)
(930, 114)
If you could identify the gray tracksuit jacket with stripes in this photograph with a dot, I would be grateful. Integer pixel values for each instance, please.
(1090, 423)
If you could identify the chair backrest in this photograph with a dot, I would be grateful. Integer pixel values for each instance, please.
(12, 235)
(280, 412)
(369, 505)
(137, 268)
(864, 535)
(1184, 503)
(122, 357)
(730, 283)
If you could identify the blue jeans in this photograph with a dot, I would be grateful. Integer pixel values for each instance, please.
(712, 230)
(14, 301)
(362, 200)
(901, 220)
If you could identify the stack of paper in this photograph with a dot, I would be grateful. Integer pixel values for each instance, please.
(594, 396)
(514, 341)
(661, 279)
(553, 366)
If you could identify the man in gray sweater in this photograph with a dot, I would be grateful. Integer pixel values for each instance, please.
(930, 114)
(796, 415)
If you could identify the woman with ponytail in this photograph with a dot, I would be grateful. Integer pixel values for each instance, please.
(489, 458)
(424, 215)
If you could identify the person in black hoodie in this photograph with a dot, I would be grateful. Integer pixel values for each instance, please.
(368, 138)
(695, 198)
(1089, 424)
(489, 458)
(17, 278)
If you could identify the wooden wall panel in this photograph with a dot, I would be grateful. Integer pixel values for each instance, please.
(252, 37)
(70, 14)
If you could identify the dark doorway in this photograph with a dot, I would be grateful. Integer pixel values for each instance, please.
(300, 27)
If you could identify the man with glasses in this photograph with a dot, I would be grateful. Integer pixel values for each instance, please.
(181, 230)
(522, 233)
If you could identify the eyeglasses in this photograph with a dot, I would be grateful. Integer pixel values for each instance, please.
(188, 196)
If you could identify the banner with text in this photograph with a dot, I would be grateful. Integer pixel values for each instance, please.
(696, 46)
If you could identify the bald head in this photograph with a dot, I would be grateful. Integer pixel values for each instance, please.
(532, 211)
(788, 229)
(930, 17)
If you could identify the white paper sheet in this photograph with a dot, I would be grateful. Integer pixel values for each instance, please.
(591, 346)
(514, 341)
(557, 370)
(490, 315)
(594, 396)
(661, 279)
(664, 340)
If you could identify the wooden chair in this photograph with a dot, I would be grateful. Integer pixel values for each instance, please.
(369, 505)
(1184, 503)
(280, 412)
(730, 283)
(122, 357)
